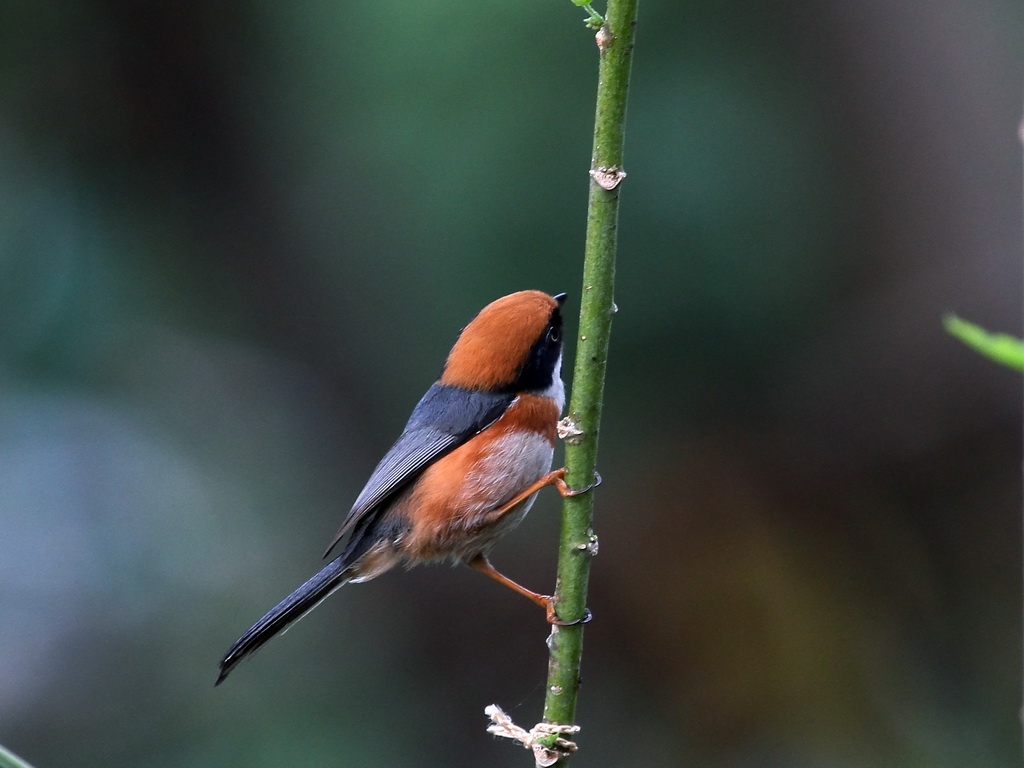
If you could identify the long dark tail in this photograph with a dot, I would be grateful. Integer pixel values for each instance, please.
(284, 614)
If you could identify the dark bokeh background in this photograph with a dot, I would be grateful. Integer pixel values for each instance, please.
(237, 239)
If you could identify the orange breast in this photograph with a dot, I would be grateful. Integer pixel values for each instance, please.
(449, 505)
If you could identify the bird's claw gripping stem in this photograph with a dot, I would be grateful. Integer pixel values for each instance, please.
(552, 617)
(558, 480)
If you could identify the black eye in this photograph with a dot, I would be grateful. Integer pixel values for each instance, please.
(553, 334)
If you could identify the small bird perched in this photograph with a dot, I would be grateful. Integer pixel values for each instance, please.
(464, 472)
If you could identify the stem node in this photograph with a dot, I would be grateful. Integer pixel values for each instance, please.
(607, 178)
(570, 431)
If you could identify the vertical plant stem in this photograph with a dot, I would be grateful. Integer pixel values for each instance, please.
(578, 543)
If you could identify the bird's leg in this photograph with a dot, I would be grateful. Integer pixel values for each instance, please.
(482, 564)
(555, 477)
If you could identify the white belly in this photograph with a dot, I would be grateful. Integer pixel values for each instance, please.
(516, 461)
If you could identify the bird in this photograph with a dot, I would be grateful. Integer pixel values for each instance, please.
(463, 473)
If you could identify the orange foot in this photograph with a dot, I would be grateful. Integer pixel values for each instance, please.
(547, 602)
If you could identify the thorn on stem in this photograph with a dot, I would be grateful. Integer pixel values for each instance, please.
(607, 178)
(569, 431)
(589, 547)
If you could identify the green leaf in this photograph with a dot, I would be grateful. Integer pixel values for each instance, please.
(594, 19)
(10, 760)
(1001, 347)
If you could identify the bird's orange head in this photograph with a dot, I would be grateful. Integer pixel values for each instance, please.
(513, 344)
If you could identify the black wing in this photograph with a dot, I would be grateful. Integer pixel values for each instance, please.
(444, 419)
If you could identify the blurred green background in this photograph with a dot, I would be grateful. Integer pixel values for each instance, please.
(237, 240)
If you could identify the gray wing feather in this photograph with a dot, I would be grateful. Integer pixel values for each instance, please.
(409, 455)
(445, 418)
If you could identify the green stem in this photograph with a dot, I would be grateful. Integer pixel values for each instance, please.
(578, 543)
